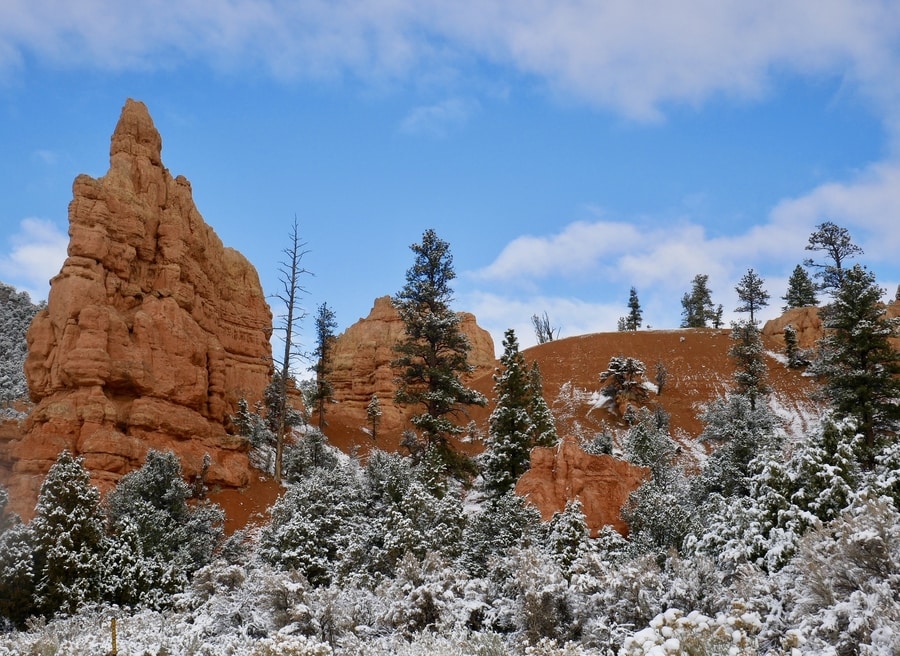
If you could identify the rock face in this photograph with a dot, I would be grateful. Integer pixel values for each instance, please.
(362, 358)
(806, 322)
(152, 333)
(565, 472)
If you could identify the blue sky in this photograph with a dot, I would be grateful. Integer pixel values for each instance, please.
(566, 150)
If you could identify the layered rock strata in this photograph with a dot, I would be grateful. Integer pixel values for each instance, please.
(152, 332)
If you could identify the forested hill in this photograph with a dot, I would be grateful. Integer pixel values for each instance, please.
(16, 313)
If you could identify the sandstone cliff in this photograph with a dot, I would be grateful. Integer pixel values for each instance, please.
(152, 333)
(361, 362)
(565, 472)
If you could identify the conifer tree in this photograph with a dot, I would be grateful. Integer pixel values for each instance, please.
(801, 290)
(750, 365)
(434, 352)
(633, 320)
(858, 363)
(698, 305)
(837, 245)
(373, 415)
(324, 390)
(519, 422)
(751, 293)
(68, 539)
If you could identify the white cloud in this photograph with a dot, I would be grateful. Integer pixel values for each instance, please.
(438, 120)
(633, 57)
(37, 253)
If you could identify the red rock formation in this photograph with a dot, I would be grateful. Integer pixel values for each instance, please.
(362, 358)
(565, 472)
(806, 322)
(152, 333)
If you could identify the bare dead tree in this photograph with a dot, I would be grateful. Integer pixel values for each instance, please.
(290, 273)
(542, 329)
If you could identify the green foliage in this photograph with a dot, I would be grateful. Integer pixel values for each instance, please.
(520, 421)
(634, 317)
(858, 363)
(623, 380)
(697, 305)
(17, 573)
(749, 357)
(324, 390)
(506, 521)
(837, 245)
(751, 293)
(67, 530)
(162, 536)
(797, 358)
(567, 535)
(801, 290)
(434, 352)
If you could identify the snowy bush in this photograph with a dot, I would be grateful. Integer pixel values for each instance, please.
(290, 645)
(673, 632)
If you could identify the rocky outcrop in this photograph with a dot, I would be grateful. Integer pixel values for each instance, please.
(565, 472)
(152, 332)
(806, 322)
(362, 358)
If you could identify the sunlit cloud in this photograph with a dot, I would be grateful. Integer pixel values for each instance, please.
(36, 254)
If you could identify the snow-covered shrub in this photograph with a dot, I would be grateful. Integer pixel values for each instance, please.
(16, 314)
(290, 645)
(503, 522)
(846, 578)
(674, 633)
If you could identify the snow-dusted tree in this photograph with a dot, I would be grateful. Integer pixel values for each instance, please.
(313, 523)
(623, 381)
(16, 567)
(156, 528)
(434, 352)
(858, 363)
(324, 390)
(837, 245)
(68, 539)
(697, 305)
(567, 535)
(717, 316)
(633, 320)
(504, 522)
(648, 444)
(796, 357)
(751, 293)
(520, 421)
(748, 353)
(801, 290)
(16, 313)
(741, 432)
(373, 415)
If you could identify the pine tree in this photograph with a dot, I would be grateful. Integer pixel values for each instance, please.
(633, 320)
(623, 380)
(857, 361)
(838, 247)
(749, 356)
(796, 356)
(373, 415)
(68, 539)
(751, 293)
(324, 390)
(16, 314)
(434, 352)
(698, 305)
(519, 421)
(801, 290)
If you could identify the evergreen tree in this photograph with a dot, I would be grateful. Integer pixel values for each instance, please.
(698, 305)
(166, 537)
(633, 320)
(568, 536)
(857, 361)
(623, 380)
(324, 390)
(68, 539)
(749, 357)
(751, 293)
(796, 356)
(434, 352)
(837, 245)
(373, 415)
(505, 521)
(519, 421)
(801, 290)
(717, 317)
